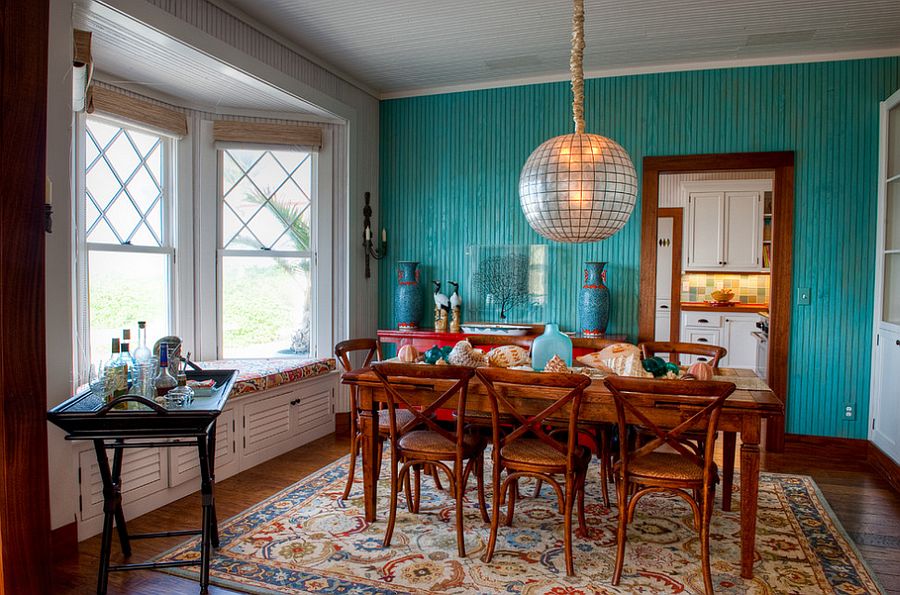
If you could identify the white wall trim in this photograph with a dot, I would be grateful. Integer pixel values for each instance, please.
(614, 72)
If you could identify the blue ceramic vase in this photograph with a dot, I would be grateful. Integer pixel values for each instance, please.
(551, 343)
(408, 298)
(593, 301)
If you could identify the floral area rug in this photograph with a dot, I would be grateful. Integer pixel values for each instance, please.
(306, 539)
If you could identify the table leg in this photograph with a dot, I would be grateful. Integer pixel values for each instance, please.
(211, 454)
(370, 457)
(208, 503)
(728, 442)
(112, 511)
(749, 491)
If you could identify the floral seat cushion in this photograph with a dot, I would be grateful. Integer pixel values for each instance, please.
(256, 375)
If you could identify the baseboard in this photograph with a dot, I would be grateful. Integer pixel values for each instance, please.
(342, 423)
(885, 466)
(64, 542)
(828, 446)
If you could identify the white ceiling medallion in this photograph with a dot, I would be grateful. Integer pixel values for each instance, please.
(578, 187)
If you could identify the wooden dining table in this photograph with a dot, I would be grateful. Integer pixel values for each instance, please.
(744, 412)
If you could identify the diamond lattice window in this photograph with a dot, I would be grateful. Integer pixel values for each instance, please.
(123, 185)
(266, 200)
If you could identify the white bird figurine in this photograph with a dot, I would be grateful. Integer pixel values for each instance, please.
(440, 300)
(455, 300)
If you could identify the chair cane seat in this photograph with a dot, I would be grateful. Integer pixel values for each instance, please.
(404, 416)
(666, 466)
(431, 443)
(534, 452)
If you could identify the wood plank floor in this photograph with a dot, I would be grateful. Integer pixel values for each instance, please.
(865, 504)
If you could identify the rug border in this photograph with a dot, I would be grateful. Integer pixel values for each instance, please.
(820, 497)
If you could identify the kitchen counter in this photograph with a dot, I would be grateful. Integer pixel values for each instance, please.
(704, 307)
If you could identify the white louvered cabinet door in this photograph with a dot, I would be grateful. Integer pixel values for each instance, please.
(314, 415)
(144, 472)
(184, 463)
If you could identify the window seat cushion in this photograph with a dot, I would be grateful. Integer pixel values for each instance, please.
(256, 375)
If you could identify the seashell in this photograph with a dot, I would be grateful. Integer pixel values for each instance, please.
(701, 371)
(408, 354)
(556, 365)
(623, 359)
(508, 356)
(441, 362)
(463, 354)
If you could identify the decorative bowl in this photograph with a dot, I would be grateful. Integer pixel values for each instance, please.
(722, 295)
(509, 330)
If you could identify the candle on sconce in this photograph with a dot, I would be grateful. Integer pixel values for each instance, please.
(368, 234)
(383, 235)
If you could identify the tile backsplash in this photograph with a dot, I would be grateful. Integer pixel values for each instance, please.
(748, 289)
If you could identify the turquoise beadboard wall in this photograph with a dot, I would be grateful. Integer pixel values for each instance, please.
(450, 166)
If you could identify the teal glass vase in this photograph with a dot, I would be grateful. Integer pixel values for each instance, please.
(551, 343)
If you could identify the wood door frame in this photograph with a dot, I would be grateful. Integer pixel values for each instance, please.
(24, 490)
(782, 162)
(677, 215)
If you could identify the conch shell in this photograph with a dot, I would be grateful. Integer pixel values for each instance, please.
(556, 365)
(463, 354)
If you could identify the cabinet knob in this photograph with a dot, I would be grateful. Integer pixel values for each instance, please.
(702, 340)
(898, 342)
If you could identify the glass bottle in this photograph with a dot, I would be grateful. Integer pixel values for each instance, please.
(128, 360)
(120, 370)
(164, 381)
(142, 353)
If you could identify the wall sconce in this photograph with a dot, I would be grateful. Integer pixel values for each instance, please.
(368, 247)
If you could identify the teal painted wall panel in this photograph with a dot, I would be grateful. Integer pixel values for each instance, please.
(450, 166)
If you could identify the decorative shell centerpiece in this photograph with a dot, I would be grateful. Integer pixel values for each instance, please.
(408, 354)
(556, 365)
(508, 356)
(700, 371)
(463, 354)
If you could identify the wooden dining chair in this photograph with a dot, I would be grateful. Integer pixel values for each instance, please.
(342, 351)
(712, 353)
(528, 450)
(692, 476)
(434, 446)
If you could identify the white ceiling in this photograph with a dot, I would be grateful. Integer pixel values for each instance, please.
(409, 47)
(131, 55)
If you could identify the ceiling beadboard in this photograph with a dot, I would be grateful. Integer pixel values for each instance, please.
(450, 166)
(407, 46)
(670, 194)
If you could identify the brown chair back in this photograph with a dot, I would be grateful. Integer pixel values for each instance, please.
(372, 347)
(540, 386)
(701, 401)
(713, 352)
(388, 372)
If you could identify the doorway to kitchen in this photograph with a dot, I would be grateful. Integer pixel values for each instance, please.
(779, 290)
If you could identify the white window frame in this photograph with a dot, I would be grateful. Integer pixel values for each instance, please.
(208, 229)
(171, 158)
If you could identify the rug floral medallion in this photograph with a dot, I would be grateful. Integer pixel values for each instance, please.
(306, 539)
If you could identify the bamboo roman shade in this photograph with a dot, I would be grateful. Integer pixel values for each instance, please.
(267, 134)
(137, 111)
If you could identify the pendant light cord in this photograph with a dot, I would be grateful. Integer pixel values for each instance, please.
(576, 65)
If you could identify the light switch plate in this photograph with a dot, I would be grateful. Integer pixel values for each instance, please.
(803, 296)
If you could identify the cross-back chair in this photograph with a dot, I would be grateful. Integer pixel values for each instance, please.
(343, 351)
(687, 473)
(420, 441)
(526, 449)
(713, 354)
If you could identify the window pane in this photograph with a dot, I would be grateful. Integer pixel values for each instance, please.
(123, 184)
(122, 289)
(267, 199)
(265, 306)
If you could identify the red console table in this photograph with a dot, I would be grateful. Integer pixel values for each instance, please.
(424, 339)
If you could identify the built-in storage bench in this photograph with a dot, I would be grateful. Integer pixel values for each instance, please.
(275, 406)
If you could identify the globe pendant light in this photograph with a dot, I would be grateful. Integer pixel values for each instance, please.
(578, 187)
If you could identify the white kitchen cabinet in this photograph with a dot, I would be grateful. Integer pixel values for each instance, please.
(663, 329)
(705, 236)
(737, 332)
(731, 331)
(723, 229)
